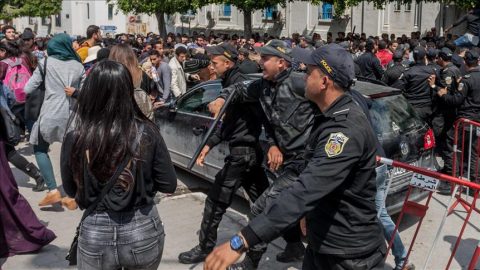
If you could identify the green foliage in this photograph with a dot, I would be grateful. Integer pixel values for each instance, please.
(156, 6)
(34, 8)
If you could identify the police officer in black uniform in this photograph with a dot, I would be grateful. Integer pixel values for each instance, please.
(368, 62)
(415, 86)
(467, 101)
(281, 93)
(241, 128)
(336, 190)
(393, 73)
(443, 114)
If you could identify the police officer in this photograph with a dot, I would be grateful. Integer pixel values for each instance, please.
(281, 93)
(432, 57)
(393, 73)
(467, 100)
(368, 62)
(336, 190)
(415, 86)
(443, 114)
(241, 128)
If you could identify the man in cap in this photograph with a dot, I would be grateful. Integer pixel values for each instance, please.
(336, 190)
(281, 92)
(432, 57)
(444, 115)
(241, 128)
(393, 73)
(467, 101)
(415, 86)
(28, 40)
(307, 42)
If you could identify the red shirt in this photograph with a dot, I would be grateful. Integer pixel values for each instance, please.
(385, 56)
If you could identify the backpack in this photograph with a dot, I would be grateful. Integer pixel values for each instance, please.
(16, 78)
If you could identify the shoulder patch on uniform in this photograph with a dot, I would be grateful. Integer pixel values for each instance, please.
(460, 86)
(467, 76)
(335, 144)
(448, 80)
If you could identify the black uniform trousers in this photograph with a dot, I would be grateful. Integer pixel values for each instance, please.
(242, 168)
(371, 261)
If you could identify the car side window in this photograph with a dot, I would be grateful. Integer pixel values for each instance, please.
(197, 101)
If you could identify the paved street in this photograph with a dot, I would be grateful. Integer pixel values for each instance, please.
(182, 214)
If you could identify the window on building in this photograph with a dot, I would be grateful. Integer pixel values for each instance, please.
(397, 6)
(110, 12)
(270, 13)
(46, 21)
(225, 10)
(325, 11)
(408, 7)
(58, 20)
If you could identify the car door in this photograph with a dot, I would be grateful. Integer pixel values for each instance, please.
(184, 126)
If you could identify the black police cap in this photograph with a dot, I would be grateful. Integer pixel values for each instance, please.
(225, 49)
(332, 59)
(277, 48)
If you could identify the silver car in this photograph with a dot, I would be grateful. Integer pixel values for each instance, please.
(402, 134)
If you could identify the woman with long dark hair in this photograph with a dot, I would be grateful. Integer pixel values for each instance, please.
(110, 135)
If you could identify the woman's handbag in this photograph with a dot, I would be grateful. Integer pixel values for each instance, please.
(34, 101)
(10, 126)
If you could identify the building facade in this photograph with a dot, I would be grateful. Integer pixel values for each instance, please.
(296, 17)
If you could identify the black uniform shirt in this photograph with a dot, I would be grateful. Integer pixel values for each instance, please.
(449, 77)
(467, 96)
(370, 66)
(242, 124)
(415, 86)
(392, 75)
(336, 191)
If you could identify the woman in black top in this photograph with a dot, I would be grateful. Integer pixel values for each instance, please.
(109, 129)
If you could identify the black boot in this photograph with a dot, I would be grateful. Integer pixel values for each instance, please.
(444, 188)
(293, 253)
(195, 255)
(28, 168)
(35, 174)
(251, 261)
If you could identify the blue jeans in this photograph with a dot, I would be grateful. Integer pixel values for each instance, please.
(398, 250)
(463, 41)
(44, 163)
(112, 240)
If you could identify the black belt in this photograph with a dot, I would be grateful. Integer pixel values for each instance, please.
(243, 150)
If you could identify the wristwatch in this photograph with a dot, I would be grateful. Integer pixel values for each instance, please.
(237, 244)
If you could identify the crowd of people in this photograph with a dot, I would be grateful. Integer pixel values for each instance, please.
(97, 95)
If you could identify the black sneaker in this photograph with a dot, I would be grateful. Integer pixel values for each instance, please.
(293, 252)
(195, 255)
(444, 188)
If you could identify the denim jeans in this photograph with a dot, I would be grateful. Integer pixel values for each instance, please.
(44, 163)
(112, 240)
(464, 41)
(398, 250)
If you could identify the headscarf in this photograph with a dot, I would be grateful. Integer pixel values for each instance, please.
(60, 47)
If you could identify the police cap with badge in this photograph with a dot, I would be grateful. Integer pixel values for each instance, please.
(224, 49)
(332, 59)
(276, 48)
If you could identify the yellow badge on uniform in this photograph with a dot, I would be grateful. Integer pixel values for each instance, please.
(335, 144)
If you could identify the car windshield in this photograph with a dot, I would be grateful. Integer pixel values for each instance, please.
(393, 115)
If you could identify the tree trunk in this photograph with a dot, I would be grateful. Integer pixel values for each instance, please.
(162, 28)
(247, 23)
